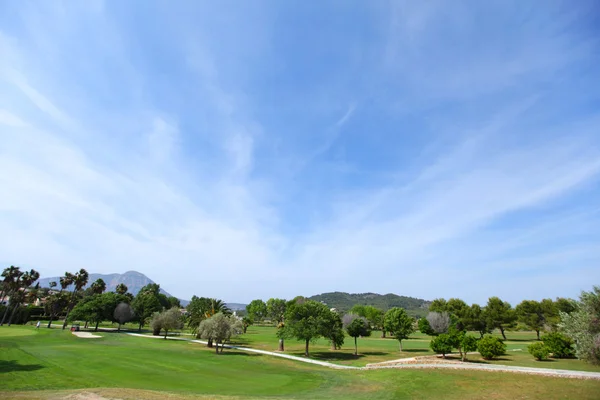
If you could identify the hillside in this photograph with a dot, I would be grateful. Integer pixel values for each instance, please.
(344, 301)
(132, 279)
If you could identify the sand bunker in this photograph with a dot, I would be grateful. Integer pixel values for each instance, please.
(85, 335)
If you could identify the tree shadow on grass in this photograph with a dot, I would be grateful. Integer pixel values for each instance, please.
(415, 351)
(238, 342)
(228, 352)
(12, 366)
(332, 356)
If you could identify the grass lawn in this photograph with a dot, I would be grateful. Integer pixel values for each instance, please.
(53, 364)
(374, 349)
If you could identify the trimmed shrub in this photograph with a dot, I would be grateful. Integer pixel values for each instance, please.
(491, 347)
(442, 344)
(538, 350)
(559, 345)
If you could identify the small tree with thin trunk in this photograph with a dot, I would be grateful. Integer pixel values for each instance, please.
(168, 320)
(398, 323)
(356, 326)
(220, 328)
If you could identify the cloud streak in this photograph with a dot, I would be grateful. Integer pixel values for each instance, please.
(466, 163)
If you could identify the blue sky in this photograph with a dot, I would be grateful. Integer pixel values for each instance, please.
(257, 149)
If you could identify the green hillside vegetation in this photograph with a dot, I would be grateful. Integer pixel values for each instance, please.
(343, 302)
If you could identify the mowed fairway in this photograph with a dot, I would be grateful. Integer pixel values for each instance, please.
(53, 364)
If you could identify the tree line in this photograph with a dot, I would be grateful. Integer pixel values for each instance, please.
(569, 326)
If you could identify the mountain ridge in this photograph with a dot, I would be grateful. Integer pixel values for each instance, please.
(134, 281)
(343, 301)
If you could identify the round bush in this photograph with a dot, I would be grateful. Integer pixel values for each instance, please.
(441, 344)
(491, 347)
(538, 350)
(558, 344)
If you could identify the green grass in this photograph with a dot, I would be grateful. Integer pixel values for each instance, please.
(38, 363)
(375, 349)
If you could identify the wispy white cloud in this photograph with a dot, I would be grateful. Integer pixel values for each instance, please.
(464, 153)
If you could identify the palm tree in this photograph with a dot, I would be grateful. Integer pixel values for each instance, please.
(121, 288)
(65, 282)
(27, 279)
(98, 287)
(12, 281)
(9, 275)
(80, 280)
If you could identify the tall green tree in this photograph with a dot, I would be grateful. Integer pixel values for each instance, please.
(399, 324)
(439, 305)
(276, 310)
(9, 276)
(146, 303)
(121, 288)
(499, 314)
(79, 281)
(373, 315)
(333, 330)
(58, 300)
(257, 310)
(12, 284)
(23, 283)
(530, 313)
(305, 321)
(99, 286)
(475, 320)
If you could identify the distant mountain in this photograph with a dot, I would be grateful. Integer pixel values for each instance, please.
(132, 279)
(345, 301)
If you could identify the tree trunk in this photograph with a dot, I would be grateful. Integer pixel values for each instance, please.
(502, 332)
(97, 323)
(5, 314)
(86, 325)
(119, 328)
(50, 322)
(306, 349)
(217, 347)
(210, 342)
(166, 331)
(13, 314)
(538, 333)
(400, 341)
(281, 345)
(333, 346)
(66, 319)
(383, 334)
(140, 328)
(355, 347)
(69, 308)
